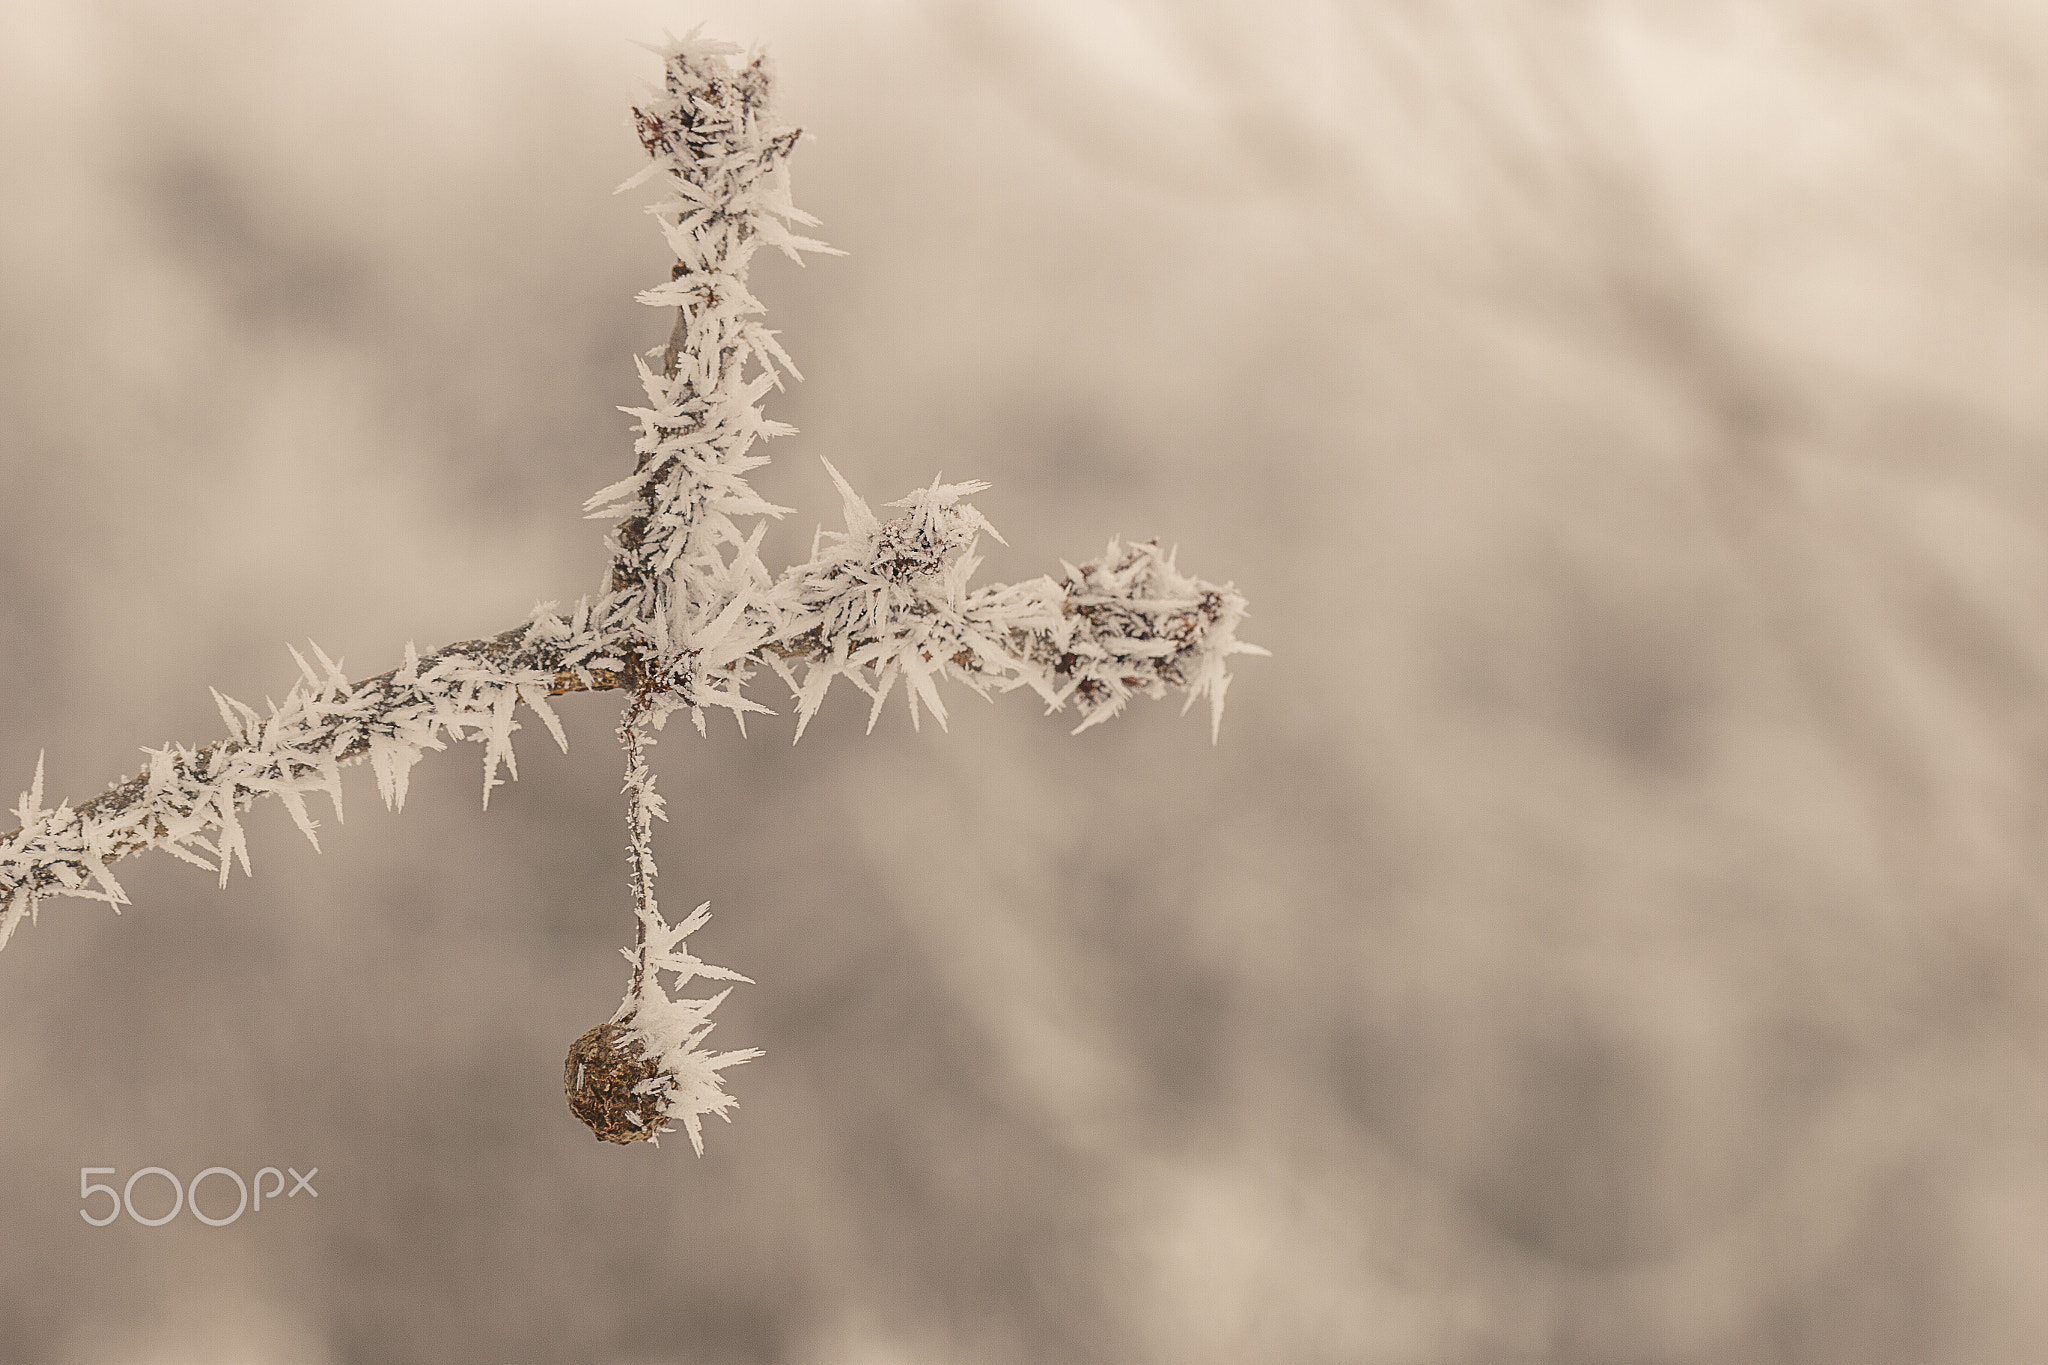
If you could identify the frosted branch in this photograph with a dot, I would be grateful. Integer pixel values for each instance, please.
(687, 620)
(864, 608)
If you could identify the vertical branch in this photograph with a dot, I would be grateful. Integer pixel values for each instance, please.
(679, 559)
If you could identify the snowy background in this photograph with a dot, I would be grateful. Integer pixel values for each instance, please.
(1608, 930)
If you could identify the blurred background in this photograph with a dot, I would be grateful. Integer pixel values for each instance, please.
(1609, 929)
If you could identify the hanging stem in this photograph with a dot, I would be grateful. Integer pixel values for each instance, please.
(642, 806)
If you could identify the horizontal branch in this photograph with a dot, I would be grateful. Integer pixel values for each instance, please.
(887, 603)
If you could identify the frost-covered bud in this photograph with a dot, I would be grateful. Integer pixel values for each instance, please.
(647, 1068)
(604, 1076)
(1133, 624)
(634, 1077)
(708, 104)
